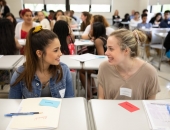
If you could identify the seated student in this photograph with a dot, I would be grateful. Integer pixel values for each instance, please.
(8, 45)
(85, 17)
(98, 32)
(144, 23)
(167, 45)
(73, 22)
(97, 18)
(165, 23)
(124, 76)
(134, 22)
(125, 19)
(156, 20)
(46, 76)
(43, 21)
(11, 17)
(132, 14)
(115, 16)
(63, 31)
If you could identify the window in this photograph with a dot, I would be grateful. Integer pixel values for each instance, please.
(79, 8)
(149, 9)
(34, 7)
(156, 8)
(56, 7)
(100, 8)
(166, 7)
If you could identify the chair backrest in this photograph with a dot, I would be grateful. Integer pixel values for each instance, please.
(156, 39)
(73, 74)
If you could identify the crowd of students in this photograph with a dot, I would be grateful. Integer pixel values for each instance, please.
(48, 38)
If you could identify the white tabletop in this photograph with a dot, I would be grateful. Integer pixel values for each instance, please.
(162, 35)
(22, 42)
(82, 42)
(108, 115)
(95, 63)
(8, 62)
(124, 22)
(71, 63)
(73, 116)
(77, 33)
(20, 63)
(117, 20)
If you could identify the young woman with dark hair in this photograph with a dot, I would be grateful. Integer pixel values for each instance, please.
(98, 32)
(42, 75)
(156, 20)
(56, 15)
(63, 31)
(11, 17)
(85, 17)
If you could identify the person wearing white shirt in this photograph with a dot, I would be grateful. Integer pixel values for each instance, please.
(134, 22)
(43, 21)
(97, 18)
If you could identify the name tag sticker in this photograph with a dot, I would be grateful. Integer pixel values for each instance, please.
(128, 106)
(51, 103)
(126, 92)
(62, 93)
(168, 22)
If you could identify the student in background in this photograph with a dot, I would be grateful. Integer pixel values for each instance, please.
(72, 15)
(145, 11)
(134, 22)
(46, 76)
(118, 77)
(98, 32)
(63, 31)
(35, 18)
(85, 17)
(11, 17)
(73, 22)
(43, 21)
(144, 23)
(22, 28)
(58, 13)
(165, 23)
(156, 20)
(132, 14)
(126, 19)
(115, 16)
(4, 8)
(51, 15)
(167, 45)
(97, 18)
(8, 45)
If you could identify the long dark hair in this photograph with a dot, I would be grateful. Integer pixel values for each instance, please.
(157, 16)
(61, 28)
(99, 30)
(37, 41)
(7, 40)
(83, 24)
(14, 20)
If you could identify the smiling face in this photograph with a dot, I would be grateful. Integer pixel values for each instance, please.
(114, 52)
(53, 53)
(27, 17)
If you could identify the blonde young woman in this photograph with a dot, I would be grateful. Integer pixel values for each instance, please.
(97, 18)
(124, 76)
(115, 16)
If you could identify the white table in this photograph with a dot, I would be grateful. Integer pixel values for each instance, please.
(20, 63)
(125, 23)
(108, 115)
(73, 116)
(92, 65)
(77, 33)
(22, 42)
(81, 42)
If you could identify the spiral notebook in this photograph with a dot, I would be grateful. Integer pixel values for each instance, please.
(48, 119)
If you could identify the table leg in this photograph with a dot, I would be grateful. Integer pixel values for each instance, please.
(78, 84)
(160, 60)
(86, 83)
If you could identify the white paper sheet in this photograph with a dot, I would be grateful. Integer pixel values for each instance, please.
(84, 57)
(158, 114)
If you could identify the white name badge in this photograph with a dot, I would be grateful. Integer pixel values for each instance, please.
(126, 92)
(62, 92)
(168, 22)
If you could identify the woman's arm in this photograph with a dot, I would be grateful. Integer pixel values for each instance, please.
(100, 92)
(85, 34)
(17, 44)
(99, 46)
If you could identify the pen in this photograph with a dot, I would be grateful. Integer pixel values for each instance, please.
(24, 113)
(168, 108)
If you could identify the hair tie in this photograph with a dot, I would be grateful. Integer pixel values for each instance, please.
(136, 36)
(37, 29)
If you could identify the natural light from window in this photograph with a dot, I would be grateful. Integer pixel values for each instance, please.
(34, 7)
(56, 7)
(100, 8)
(79, 8)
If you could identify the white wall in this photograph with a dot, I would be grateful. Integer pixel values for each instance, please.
(15, 6)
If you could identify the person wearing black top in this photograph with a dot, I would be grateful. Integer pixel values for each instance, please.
(156, 20)
(115, 16)
(165, 23)
(126, 19)
(167, 45)
(4, 9)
